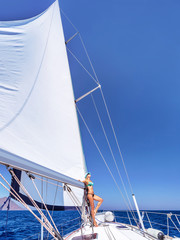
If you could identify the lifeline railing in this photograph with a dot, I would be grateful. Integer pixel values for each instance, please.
(168, 223)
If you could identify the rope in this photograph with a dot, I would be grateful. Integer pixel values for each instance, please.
(112, 155)
(103, 158)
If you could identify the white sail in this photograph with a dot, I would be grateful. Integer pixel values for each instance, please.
(38, 120)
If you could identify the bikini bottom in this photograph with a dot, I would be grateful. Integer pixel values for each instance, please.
(91, 194)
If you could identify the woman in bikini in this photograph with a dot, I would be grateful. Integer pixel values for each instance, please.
(91, 196)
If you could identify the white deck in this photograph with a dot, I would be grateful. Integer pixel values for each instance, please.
(108, 231)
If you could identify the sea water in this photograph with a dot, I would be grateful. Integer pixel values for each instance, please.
(19, 225)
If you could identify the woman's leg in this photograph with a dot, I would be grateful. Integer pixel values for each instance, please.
(100, 200)
(91, 201)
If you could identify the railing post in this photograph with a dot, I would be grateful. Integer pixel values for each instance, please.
(42, 233)
(149, 220)
(167, 225)
(177, 219)
(42, 237)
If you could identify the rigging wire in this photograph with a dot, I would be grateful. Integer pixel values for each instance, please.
(95, 106)
(82, 66)
(97, 81)
(18, 198)
(53, 203)
(89, 58)
(35, 204)
(74, 200)
(116, 140)
(112, 127)
(30, 198)
(44, 204)
(68, 19)
(103, 158)
(49, 182)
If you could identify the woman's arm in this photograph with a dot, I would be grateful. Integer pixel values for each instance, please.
(84, 181)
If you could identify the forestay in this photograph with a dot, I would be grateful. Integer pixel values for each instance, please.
(38, 120)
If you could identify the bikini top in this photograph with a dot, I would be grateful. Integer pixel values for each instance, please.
(90, 184)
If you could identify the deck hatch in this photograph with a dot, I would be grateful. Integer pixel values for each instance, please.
(86, 237)
(121, 227)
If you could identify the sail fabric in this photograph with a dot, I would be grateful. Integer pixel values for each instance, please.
(38, 119)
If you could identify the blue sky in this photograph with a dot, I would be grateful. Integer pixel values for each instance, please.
(134, 46)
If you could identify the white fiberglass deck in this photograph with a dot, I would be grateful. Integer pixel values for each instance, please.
(108, 231)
